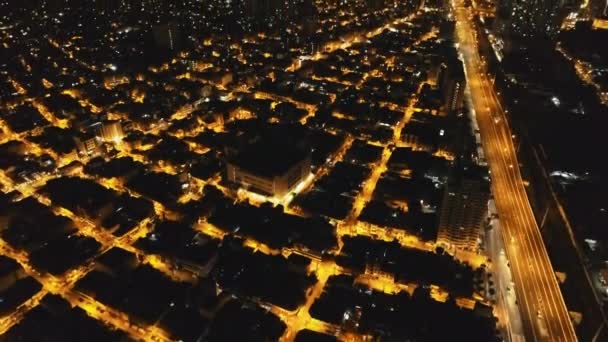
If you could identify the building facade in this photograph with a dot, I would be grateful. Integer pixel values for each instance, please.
(453, 84)
(277, 185)
(111, 131)
(464, 208)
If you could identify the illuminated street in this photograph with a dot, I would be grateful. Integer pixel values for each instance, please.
(293, 171)
(545, 316)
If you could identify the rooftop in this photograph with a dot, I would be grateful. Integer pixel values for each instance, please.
(270, 153)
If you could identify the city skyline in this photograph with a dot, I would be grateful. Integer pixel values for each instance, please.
(303, 170)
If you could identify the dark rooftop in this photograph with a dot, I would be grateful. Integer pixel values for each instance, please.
(271, 153)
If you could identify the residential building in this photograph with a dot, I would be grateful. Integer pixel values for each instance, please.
(271, 168)
(464, 208)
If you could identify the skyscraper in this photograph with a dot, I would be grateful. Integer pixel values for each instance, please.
(453, 83)
(465, 204)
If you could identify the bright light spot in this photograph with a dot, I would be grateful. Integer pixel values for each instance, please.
(591, 243)
(556, 101)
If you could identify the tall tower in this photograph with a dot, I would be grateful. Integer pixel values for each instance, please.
(464, 207)
(452, 85)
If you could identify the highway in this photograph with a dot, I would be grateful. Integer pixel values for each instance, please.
(509, 320)
(543, 311)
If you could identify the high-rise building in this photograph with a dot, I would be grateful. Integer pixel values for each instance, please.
(452, 84)
(463, 210)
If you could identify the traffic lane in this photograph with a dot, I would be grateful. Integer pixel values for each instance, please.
(532, 253)
(505, 144)
(524, 287)
(534, 248)
(537, 248)
(541, 257)
(476, 82)
(499, 190)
